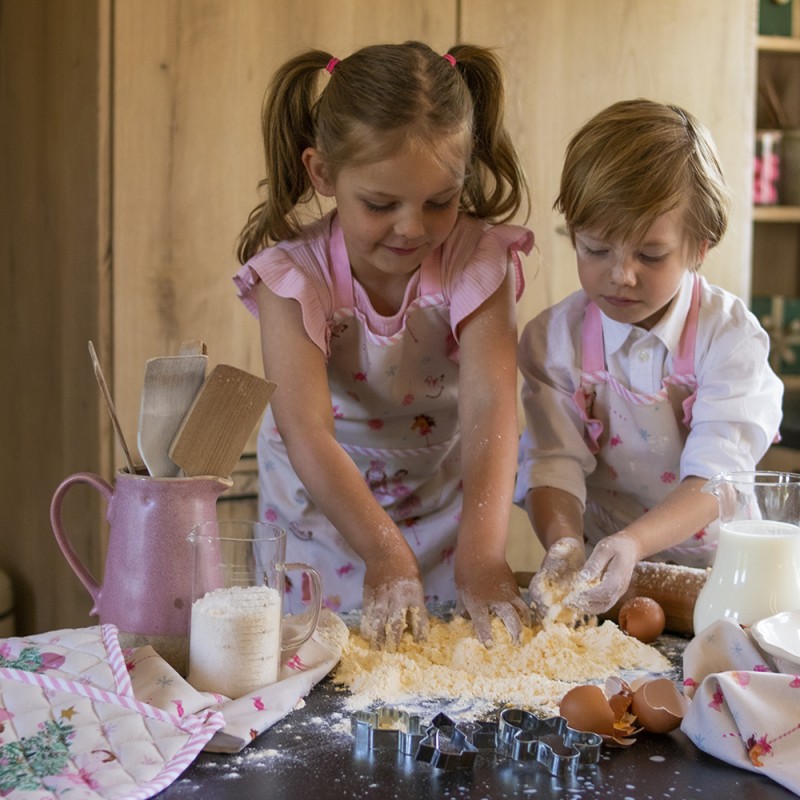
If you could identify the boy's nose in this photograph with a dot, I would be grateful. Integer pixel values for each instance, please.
(623, 272)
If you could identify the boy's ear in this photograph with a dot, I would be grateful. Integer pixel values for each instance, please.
(702, 252)
(318, 172)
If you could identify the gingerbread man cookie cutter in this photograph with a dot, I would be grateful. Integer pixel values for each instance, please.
(550, 742)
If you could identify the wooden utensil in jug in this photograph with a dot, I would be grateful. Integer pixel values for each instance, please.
(171, 384)
(215, 429)
(101, 380)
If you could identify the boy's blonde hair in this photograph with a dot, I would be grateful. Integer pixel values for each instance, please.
(373, 103)
(637, 160)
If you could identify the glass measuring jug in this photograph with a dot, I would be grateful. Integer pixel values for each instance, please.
(756, 570)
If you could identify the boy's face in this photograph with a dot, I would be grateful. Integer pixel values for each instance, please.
(634, 282)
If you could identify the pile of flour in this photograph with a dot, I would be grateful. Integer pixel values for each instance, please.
(454, 670)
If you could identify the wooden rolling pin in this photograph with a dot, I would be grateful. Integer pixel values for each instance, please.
(673, 587)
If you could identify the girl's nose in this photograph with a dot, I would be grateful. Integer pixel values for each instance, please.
(623, 272)
(410, 224)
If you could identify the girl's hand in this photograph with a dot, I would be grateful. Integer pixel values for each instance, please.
(483, 592)
(393, 600)
(607, 573)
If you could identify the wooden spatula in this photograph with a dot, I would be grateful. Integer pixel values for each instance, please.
(171, 384)
(215, 429)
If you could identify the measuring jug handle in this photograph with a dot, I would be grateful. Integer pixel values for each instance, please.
(308, 620)
(97, 483)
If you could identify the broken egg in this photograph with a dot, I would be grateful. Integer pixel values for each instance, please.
(586, 709)
(643, 618)
(659, 705)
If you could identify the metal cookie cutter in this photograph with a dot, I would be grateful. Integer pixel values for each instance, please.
(550, 742)
(387, 728)
(446, 746)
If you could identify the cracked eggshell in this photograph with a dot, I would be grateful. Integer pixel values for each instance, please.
(586, 708)
(659, 705)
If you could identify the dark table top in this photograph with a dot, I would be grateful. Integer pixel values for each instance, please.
(311, 755)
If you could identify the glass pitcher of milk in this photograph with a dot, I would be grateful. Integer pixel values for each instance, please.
(756, 570)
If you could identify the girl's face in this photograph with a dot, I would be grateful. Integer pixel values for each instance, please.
(393, 212)
(634, 282)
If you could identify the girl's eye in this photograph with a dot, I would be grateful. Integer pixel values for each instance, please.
(444, 205)
(595, 253)
(378, 208)
(648, 259)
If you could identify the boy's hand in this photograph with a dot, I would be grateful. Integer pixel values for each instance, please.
(556, 576)
(607, 573)
(492, 591)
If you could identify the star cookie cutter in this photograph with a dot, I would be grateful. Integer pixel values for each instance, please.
(550, 742)
(388, 728)
(446, 746)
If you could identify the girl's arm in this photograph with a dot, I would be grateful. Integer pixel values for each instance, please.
(487, 408)
(303, 414)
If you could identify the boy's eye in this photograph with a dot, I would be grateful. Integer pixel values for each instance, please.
(650, 259)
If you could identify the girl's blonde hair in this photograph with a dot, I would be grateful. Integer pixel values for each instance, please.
(637, 160)
(376, 101)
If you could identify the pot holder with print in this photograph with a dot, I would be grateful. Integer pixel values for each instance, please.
(70, 724)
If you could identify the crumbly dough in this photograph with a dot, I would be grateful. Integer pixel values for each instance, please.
(453, 665)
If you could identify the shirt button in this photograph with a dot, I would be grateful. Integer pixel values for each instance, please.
(644, 355)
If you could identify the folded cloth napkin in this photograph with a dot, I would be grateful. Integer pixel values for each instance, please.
(70, 724)
(743, 710)
(157, 683)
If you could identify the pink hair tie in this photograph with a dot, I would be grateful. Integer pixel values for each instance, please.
(450, 58)
(331, 65)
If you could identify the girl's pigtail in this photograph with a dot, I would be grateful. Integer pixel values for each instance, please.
(287, 124)
(496, 187)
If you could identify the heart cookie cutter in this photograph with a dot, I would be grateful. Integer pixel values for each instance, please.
(550, 742)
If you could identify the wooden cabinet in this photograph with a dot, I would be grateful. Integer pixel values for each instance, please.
(131, 154)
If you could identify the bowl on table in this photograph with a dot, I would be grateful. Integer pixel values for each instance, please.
(779, 636)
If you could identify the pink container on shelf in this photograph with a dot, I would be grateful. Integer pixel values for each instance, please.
(767, 167)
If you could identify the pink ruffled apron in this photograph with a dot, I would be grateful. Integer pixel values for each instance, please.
(396, 414)
(637, 439)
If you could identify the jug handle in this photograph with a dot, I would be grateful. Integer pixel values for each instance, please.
(307, 620)
(78, 567)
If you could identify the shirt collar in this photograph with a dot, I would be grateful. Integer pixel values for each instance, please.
(668, 329)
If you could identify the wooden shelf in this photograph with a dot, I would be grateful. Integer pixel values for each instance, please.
(779, 44)
(788, 214)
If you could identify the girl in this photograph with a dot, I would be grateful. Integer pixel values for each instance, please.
(389, 327)
(647, 382)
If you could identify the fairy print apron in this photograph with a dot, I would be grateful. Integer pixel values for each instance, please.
(637, 439)
(396, 414)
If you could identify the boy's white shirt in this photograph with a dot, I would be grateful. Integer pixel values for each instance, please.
(735, 416)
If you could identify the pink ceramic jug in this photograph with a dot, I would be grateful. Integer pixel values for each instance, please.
(147, 583)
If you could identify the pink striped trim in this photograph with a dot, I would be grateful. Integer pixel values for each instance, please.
(116, 660)
(595, 378)
(410, 452)
(426, 301)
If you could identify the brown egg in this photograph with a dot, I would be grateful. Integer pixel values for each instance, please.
(586, 709)
(643, 618)
(659, 705)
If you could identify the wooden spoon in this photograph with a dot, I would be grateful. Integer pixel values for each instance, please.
(170, 385)
(98, 373)
(214, 432)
